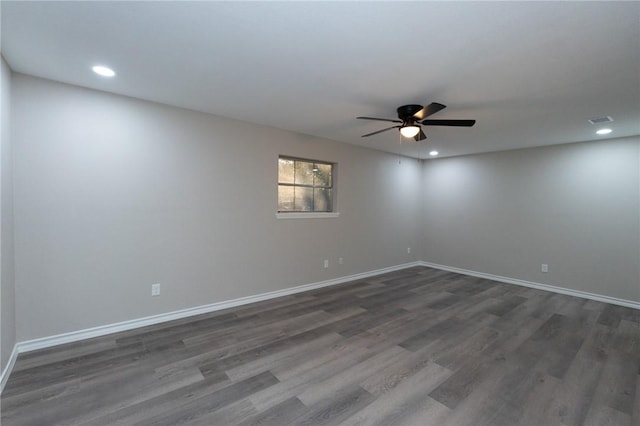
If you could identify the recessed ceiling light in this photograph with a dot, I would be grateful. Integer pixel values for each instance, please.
(103, 71)
(433, 153)
(604, 131)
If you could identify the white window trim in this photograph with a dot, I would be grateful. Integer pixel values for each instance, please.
(309, 215)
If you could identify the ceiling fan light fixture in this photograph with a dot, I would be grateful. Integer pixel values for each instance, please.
(409, 131)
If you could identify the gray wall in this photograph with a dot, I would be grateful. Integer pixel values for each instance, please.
(113, 194)
(7, 295)
(574, 207)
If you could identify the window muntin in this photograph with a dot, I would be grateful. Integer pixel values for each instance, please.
(304, 185)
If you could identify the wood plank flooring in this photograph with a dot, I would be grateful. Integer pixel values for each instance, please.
(413, 347)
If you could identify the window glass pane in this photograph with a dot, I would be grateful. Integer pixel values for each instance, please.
(303, 199)
(323, 175)
(304, 186)
(322, 199)
(285, 198)
(285, 170)
(304, 172)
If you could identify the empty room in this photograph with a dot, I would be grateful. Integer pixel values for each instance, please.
(320, 213)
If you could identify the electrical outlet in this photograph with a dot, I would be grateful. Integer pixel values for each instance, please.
(155, 289)
(340, 261)
(544, 267)
(326, 263)
(409, 250)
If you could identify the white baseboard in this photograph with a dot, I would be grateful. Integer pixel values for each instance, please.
(539, 286)
(8, 368)
(74, 336)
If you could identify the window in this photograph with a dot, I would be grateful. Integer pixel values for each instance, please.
(304, 185)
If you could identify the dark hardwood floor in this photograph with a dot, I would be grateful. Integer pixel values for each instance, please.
(414, 347)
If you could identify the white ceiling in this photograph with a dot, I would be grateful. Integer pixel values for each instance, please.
(530, 73)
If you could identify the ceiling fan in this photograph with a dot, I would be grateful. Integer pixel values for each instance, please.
(412, 116)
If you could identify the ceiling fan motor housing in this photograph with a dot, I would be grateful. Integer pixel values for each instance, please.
(407, 111)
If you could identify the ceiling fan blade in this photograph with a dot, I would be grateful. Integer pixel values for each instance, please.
(430, 109)
(380, 119)
(420, 136)
(460, 123)
(380, 131)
